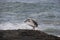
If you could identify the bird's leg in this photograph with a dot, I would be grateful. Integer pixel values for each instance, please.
(33, 28)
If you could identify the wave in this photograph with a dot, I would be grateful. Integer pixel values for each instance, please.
(14, 26)
(18, 7)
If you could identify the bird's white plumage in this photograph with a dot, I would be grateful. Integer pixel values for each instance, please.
(31, 22)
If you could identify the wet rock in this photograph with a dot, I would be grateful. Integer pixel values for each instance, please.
(25, 35)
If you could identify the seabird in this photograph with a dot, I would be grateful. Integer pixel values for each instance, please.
(31, 22)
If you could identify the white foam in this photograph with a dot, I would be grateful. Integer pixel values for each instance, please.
(58, 35)
(14, 26)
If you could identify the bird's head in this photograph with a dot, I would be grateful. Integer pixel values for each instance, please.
(28, 20)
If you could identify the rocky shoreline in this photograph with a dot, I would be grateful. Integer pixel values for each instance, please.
(22, 34)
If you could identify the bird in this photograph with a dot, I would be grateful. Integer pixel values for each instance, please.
(31, 23)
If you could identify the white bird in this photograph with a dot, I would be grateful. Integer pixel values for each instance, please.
(31, 22)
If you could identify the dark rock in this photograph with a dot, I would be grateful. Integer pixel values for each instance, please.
(25, 35)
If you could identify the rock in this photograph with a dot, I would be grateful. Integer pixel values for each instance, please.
(25, 35)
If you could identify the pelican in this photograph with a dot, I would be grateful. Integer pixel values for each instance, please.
(31, 22)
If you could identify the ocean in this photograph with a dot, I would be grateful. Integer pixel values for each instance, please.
(47, 14)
